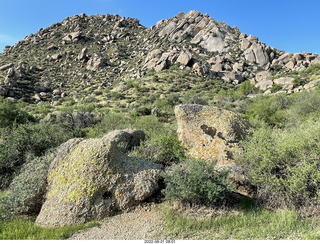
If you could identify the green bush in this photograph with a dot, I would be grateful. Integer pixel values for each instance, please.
(117, 95)
(284, 164)
(10, 114)
(27, 190)
(299, 81)
(26, 139)
(245, 89)
(163, 148)
(270, 109)
(275, 88)
(109, 121)
(191, 97)
(305, 105)
(312, 70)
(196, 182)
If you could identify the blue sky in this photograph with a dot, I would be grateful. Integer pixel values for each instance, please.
(289, 25)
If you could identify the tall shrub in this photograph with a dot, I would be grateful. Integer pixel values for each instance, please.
(284, 163)
(196, 182)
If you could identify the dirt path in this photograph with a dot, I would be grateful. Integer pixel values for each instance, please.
(143, 223)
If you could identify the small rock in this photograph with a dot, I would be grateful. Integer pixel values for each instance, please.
(6, 66)
(263, 75)
(96, 62)
(184, 58)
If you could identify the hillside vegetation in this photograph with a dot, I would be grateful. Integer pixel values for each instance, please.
(90, 75)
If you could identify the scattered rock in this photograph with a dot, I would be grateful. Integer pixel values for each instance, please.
(197, 69)
(83, 55)
(119, 88)
(73, 36)
(6, 66)
(184, 58)
(286, 82)
(190, 41)
(10, 82)
(71, 120)
(264, 84)
(217, 67)
(263, 75)
(96, 62)
(11, 73)
(56, 92)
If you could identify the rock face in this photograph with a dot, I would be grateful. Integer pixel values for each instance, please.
(199, 29)
(210, 133)
(90, 179)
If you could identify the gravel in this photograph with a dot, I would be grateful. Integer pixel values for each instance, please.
(142, 223)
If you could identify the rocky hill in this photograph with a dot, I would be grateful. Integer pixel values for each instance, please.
(113, 61)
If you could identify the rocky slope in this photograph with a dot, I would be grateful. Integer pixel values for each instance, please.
(100, 55)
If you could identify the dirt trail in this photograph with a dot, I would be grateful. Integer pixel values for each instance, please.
(143, 223)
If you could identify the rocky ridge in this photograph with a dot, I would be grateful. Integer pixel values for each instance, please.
(85, 55)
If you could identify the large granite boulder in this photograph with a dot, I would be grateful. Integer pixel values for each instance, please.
(209, 133)
(93, 178)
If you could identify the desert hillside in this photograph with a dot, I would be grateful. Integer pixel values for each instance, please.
(206, 129)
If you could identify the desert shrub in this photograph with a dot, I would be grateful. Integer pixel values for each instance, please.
(149, 124)
(299, 81)
(196, 182)
(163, 148)
(311, 70)
(192, 98)
(245, 89)
(275, 88)
(166, 105)
(11, 114)
(270, 109)
(109, 121)
(143, 110)
(117, 121)
(117, 95)
(224, 98)
(31, 138)
(284, 163)
(161, 144)
(27, 190)
(305, 104)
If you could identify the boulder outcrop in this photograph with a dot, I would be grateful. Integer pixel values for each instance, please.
(90, 179)
(199, 29)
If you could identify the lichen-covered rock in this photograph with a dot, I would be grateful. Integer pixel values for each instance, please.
(210, 133)
(90, 179)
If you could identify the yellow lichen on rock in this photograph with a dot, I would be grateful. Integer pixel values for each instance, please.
(89, 179)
